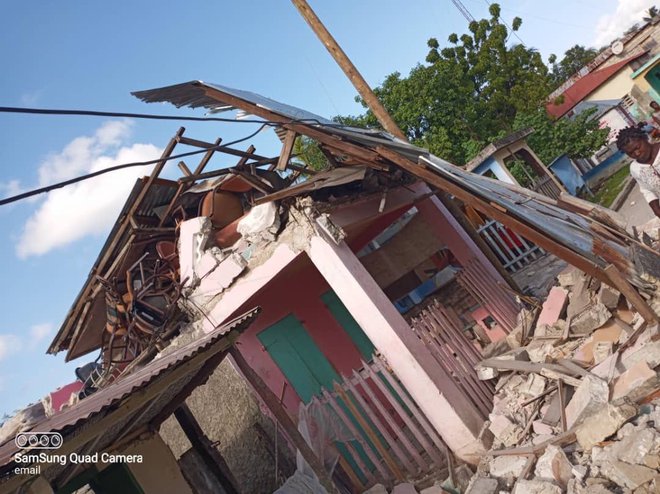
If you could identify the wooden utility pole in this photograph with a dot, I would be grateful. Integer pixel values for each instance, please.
(389, 125)
(349, 69)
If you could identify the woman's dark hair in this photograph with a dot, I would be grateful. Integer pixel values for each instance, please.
(628, 134)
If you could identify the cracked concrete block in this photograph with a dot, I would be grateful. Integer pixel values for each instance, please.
(541, 428)
(486, 373)
(535, 487)
(608, 296)
(553, 307)
(570, 276)
(534, 386)
(625, 475)
(482, 485)
(589, 397)
(580, 472)
(601, 350)
(604, 422)
(554, 465)
(635, 447)
(636, 383)
(507, 466)
(589, 319)
(499, 425)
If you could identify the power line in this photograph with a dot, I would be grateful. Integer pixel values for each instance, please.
(80, 178)
(148, 116)
(507, 26)
(463, 10)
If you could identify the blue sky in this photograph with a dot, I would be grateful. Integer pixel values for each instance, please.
(90, 55)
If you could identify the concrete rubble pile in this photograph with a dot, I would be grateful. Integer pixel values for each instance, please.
(577, 401)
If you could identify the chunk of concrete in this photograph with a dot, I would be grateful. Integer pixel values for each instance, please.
(434, 489)
(635, 447)
(553, 307)
(625, 475)
(589, 397)
(482, 485)
(608, 296)
(533, 386)
(601, 350)
(570, 276)
(604, 422)
(636, 383)
(554, 465)
(376, 489)
(541, 428)
(500, 425)
(507, 466)
(486, 373)
(535, 487)
(404, 488)
(589, 319)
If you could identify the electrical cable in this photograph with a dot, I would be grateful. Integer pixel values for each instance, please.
(149, 116)
(59, 185)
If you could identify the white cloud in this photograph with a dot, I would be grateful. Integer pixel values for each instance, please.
(38, 332)
(11, 188)
(9, 344)
(89, 207)
(30, 98)
(612, 26)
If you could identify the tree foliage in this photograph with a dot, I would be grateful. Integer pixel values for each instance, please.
(574, 59)
(473, 90)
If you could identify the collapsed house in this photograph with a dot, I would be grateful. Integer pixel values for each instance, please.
(370, 379)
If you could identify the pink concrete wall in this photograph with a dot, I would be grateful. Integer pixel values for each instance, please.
(296, 291)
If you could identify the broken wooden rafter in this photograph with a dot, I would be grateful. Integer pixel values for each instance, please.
(500, 214)
(287, 149)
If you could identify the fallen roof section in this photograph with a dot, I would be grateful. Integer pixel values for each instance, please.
(576, 231)
(134, 402)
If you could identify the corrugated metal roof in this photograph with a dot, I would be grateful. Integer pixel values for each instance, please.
(83, 411)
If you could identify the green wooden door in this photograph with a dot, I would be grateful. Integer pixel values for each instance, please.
(350, 325)
(298, 357)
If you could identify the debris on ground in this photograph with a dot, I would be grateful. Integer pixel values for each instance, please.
(577, 403)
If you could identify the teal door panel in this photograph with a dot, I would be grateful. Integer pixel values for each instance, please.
(298, 357)
(350, 325)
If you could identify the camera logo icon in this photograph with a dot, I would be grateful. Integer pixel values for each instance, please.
(38, 440)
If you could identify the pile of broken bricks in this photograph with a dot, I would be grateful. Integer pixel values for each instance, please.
(577, 401)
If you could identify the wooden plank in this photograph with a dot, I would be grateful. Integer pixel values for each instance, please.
(562, 404)
(421, 419)
(373, 437)
(273, 404)
(287, 149)
(390, 421)
(371, 454)
(632, 295)
(206, 158)
(370, 410)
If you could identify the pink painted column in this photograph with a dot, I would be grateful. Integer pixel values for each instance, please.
(450, 412)
(452, 234)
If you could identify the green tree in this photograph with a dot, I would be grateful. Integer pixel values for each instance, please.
(478, 88)
(307, 150)
(574, 59)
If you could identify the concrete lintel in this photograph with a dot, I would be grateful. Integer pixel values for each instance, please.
(448, 410)
(248, 286)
